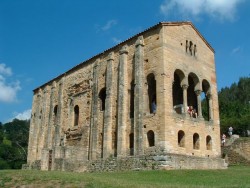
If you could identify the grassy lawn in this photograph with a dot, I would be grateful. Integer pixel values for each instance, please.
(236, 176)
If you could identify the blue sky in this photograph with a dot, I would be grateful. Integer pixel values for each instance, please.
(40, 39)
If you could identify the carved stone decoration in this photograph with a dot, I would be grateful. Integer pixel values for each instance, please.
(73, 134)
(78, 88)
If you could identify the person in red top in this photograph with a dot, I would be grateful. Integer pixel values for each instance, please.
(192, 112)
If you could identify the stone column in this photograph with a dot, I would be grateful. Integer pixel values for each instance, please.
(42, 123)
(94, 115)
(210, 104)
(70, 112)
(39, 123)
(198, 94)
(122, 102)
(107, 129)
(138, 99)
(185, 104)
(34, 128)
(59, 114)
(50, 118)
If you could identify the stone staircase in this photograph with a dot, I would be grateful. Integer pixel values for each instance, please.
(237, 151)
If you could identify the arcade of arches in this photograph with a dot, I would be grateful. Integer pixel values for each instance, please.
(188, 91)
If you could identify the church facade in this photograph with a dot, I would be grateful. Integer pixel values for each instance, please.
(127, 107)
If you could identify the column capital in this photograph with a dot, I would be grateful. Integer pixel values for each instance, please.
(209, 95)
(197, 92)
(124, 50)
(53, 86)
(96, 63)
(46, 90)
(111, 56)
(184, 86)
(139, 42)
(39, 95)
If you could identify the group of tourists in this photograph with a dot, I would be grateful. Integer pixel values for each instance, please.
(192, 112)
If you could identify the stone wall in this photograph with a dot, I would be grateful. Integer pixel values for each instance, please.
(101, 109)
(159, 162)
(238, 152)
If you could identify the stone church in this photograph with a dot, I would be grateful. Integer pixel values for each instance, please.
(127, 107)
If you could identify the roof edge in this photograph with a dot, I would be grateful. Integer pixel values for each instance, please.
(121, 43)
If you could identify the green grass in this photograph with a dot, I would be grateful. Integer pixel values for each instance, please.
(236, 176)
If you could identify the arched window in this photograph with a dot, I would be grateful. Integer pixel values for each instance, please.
(205, 100)
(191, 95)
(132, 93)
(181, 138)
(55, 114)
(151, 93)
(102, 96)
(151, 138)
(131, 143)
(196, 141)
(76, 115)
(209, 142)
(177, 92)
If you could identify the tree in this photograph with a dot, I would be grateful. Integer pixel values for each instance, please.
(234, 104)
(13, 144)
(1, 133)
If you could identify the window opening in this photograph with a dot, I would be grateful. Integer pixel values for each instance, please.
(177, 92)
(76, 115)
(102, 96)
(152, 93)
(209, 143)
(55, 114)
(151, 138)
(192, 98)
(196, 141)
(205, 100)
(181, 139)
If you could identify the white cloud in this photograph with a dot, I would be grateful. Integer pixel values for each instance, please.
(5, 70)
(109, 24)
(23, 115)
(236, 50)
(218, 9)
(116, 40)
(9, 90)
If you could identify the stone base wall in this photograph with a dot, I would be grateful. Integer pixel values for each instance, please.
(242, 146)
(166, 162)
(237, 152)
(34, 166)
(192, 162)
